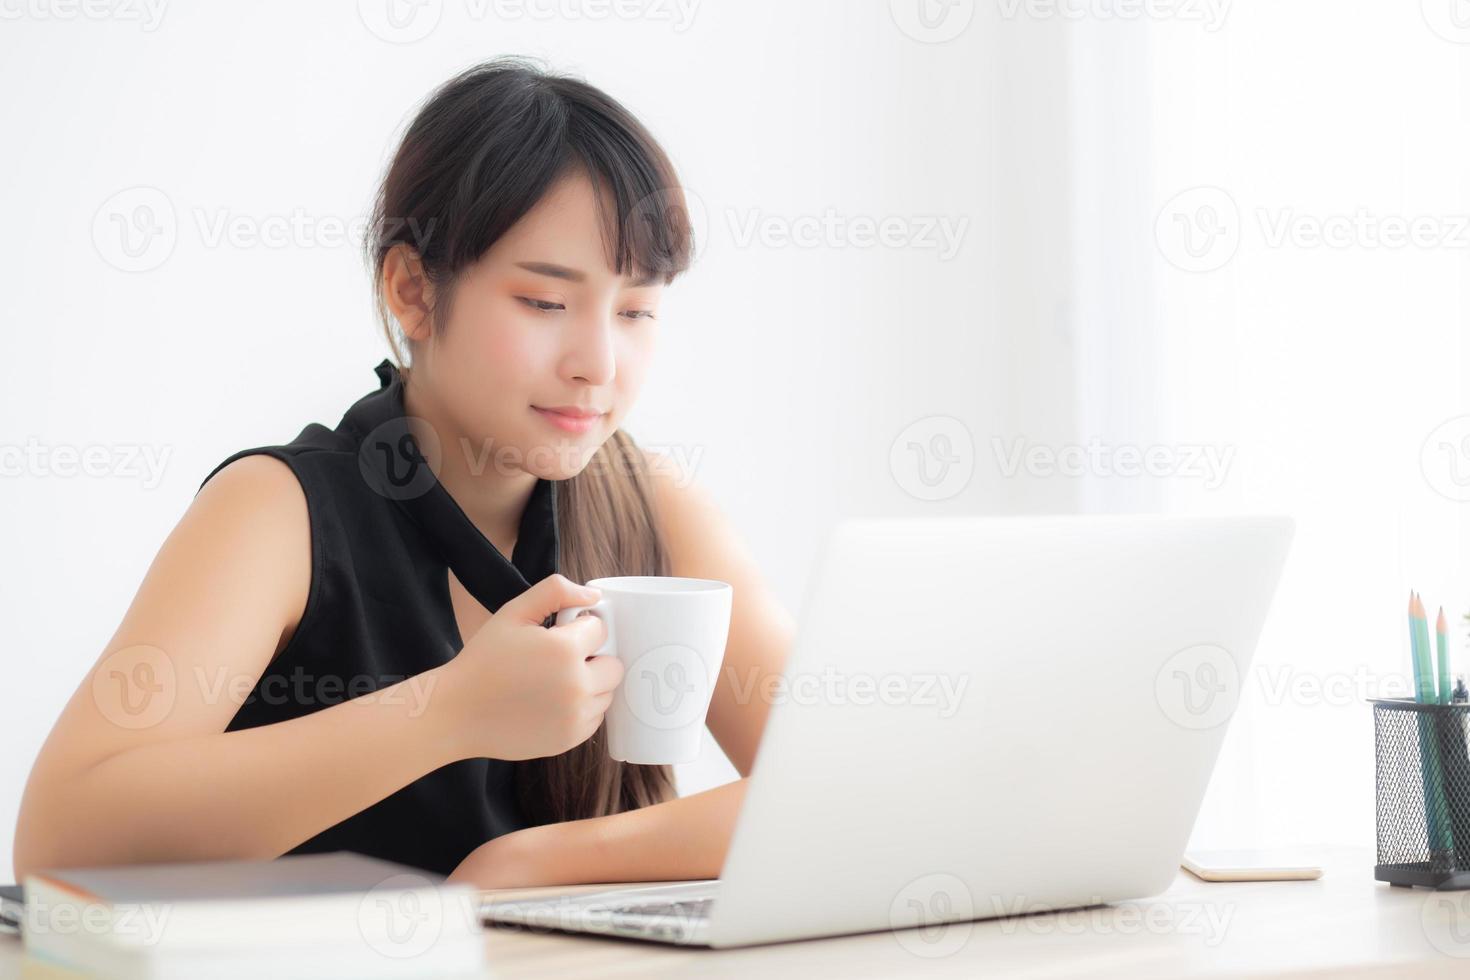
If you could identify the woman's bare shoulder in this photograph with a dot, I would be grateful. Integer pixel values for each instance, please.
(229, 581)
(674, 490)
(255, 510)
(699, 537)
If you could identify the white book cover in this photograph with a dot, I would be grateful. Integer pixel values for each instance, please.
(317, 915)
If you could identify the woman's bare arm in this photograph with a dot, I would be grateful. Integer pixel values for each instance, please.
(679, 839)
(686, 837)
(702, 543)
(139, 766)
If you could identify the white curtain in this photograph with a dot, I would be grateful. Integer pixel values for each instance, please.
(1269, 257)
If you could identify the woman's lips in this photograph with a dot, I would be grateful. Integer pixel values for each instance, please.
(568, 423)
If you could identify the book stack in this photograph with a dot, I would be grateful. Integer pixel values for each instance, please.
(317, 915)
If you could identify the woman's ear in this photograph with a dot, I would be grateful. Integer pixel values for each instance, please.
(407, 291)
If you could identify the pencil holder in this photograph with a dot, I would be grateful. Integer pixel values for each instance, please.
(1422, 793)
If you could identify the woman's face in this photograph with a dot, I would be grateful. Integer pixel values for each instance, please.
(541, 323)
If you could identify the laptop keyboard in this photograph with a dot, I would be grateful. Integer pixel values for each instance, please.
(697, 908)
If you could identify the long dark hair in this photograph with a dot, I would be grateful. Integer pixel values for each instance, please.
(479, 154)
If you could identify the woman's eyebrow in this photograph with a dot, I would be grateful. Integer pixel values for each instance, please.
(575, 275)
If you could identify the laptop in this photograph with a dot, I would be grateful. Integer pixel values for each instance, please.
(980, 716)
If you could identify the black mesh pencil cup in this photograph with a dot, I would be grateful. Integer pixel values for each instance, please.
(1423, 793)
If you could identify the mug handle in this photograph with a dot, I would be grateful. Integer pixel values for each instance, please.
(602, 609)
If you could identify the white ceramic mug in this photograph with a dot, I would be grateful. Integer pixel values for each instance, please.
(670, 634)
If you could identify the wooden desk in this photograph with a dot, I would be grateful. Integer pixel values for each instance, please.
(1343, 924)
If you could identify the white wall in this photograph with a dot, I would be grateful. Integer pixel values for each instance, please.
(791, 369)
(1325, 366)
(1066, 311)
(1319, 370)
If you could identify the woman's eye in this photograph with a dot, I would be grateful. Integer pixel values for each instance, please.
(548, 306)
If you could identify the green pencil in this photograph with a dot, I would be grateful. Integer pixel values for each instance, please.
(1444, 658)
(1424, 688)
(1425, 693)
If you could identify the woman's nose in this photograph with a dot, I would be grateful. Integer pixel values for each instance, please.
(590, 355)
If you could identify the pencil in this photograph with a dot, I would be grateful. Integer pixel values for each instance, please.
(1424, 689)
(1440, 631)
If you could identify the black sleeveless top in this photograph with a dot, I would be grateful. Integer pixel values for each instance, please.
(383, 533)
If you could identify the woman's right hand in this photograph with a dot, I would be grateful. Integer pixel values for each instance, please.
(519, 690)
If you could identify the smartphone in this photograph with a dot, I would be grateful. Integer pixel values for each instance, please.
(1266, 864)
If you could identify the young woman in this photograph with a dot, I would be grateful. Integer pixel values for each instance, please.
(332, 649)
